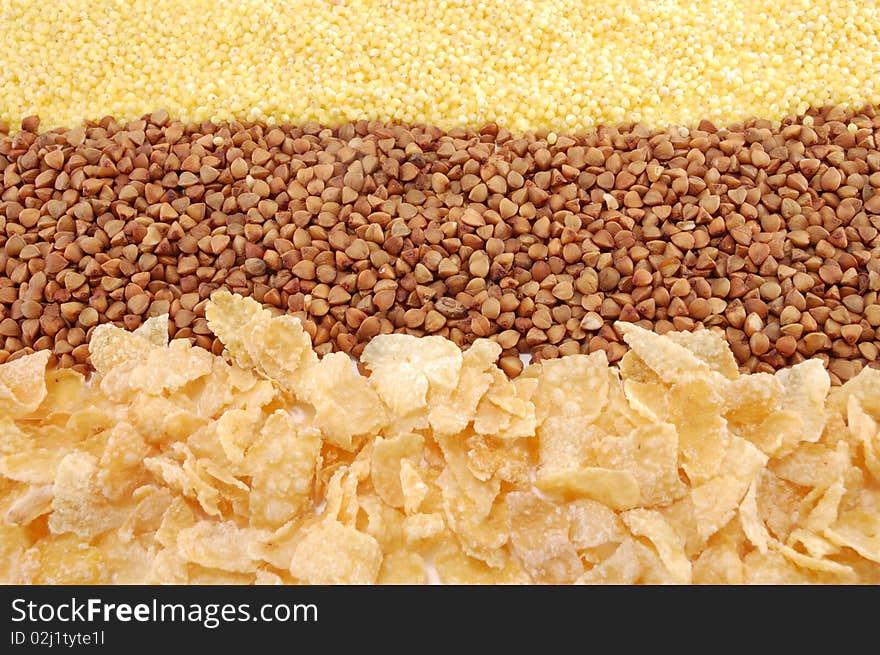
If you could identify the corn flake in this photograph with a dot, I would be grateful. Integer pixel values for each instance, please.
(669, 360)
(332, 553)
(575, 387)
(617, 489)
(403, 369)
(77, 503)
(622, 567)
(361, 413)
(281, 464)
(389, 456)
(219, 545)
(23, 384)
(667, 543)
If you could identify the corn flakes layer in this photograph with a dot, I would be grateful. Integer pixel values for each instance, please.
(266, 465)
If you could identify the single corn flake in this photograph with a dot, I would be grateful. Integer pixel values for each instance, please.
(593, 524)
(31, 504)
(743, 459)
(650, 454)
(450, 413)
(716, 502)
(622, 567)
(634, 368)
(385, 524)
(413, 488)
(332, 553)
(168, 567)
(866, 432)
(461, 481)
(649, 399)
(539, 537)
(236, 430)
(751, 521)
(575, 387)
(771, 568)
(566, 443)
(219, 545)
(185, 478)
(719, 564)
(819, 565)
(282, 351)
(811, 465)
(146, 517)
(777, 501)
(816, 546)
(65, 393)
(156, 370)
(508, 460)
(389, 456)
(227, 316)
(805, 387)
(667, 359)
(361, 413)
(25, 459)
(710, 348)
(62, 559)
(277, 346)
(277, 548)
(402, 567)
(281, 463)
(77, 504)
(110, 347)
(859, 530)
(506, 410)
(420, 528)
(121, 462)
(480, 525)
(266, 577)
(865, 387)
(14, 542)
(751, 399)
(154, 330)
(616, 489)
(403, 368)
(668, 544)
(177, 516)
(200, 575)
(826, 510)
(23, 384)
(126, 560)
(696, 406)
(455, 567)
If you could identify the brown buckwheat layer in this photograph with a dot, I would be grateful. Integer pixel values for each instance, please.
(766, 233)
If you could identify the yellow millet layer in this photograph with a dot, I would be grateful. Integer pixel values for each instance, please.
(560, 65)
